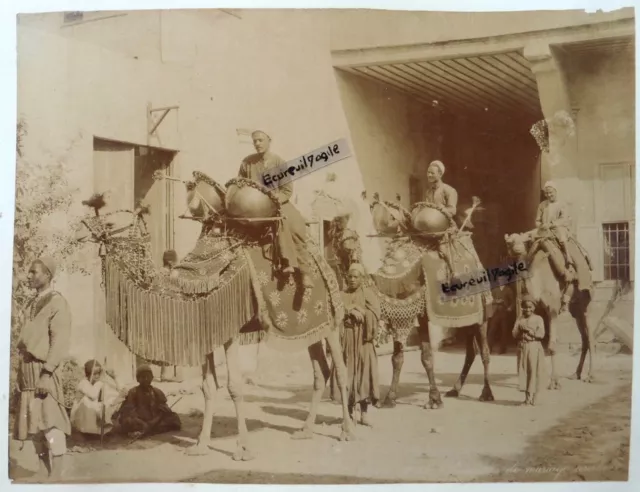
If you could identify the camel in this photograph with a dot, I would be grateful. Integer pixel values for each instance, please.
(204, 198)
(346, 244)
(545, 284)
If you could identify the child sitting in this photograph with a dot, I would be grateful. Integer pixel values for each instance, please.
(86, 414)
(145, 410)
(529, 332)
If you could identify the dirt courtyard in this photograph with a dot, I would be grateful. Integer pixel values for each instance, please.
(578, 433)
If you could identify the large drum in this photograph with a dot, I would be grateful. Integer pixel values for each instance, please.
(204, 196)
(389, 217)
(427, 218)
(247, 199)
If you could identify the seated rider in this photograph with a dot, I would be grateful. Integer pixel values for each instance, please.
(291, 238)
(553, 220)
(442, 195)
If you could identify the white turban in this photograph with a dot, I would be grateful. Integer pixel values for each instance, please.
(357, 267)
(550, 184)
(439, 165)
(268, 134)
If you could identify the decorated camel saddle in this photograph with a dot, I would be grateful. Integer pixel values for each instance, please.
(225, 288)
(426, 251)
(531, 244)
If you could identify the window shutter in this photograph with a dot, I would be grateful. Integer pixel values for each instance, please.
(632, 249)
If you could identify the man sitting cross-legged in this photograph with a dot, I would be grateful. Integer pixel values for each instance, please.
(145, 410)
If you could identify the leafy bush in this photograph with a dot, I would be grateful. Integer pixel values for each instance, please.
(43, 201)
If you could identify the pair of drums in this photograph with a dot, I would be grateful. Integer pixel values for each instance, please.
(388, 218)
(242, 199)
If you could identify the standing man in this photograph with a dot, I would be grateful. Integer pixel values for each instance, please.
(503, 303)
(362, 316)
(292, 230)
(43, 344)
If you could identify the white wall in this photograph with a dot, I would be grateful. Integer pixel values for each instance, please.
(603, 88)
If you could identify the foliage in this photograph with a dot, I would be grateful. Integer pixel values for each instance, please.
(43, 201)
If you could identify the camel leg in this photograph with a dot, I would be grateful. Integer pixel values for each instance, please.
(426, 357)
(483, 343)
(469, 357)
(209, 387)
(321, 375)
(348, 433)
(554, 382)
(588, 345)
(397, 360)
(235, 385)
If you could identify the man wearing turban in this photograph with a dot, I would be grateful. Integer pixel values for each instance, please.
(291, 239)
(43, 344)
(362, 316)
(440, 193)
(553, 219)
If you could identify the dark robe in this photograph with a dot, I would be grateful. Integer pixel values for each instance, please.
(143, 405)
(359, 352)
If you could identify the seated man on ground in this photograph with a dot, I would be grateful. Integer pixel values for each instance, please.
(145, 410)
(86, 414)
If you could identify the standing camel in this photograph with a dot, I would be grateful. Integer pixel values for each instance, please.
(401, 311)
(547, 286)
(215, 296)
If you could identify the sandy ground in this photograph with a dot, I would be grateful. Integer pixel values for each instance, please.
(583, 425)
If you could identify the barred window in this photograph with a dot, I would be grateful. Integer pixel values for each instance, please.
(616, 251)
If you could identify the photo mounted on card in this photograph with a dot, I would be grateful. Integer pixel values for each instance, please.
(399, 250)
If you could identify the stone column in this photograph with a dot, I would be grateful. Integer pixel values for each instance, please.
(562, 161)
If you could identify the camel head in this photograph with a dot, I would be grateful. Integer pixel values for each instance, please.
(516, 244)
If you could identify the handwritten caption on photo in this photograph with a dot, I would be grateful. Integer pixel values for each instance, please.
(483, 280)
(306, 164)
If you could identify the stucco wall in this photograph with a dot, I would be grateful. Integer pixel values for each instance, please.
(394, 135)
(603, 88)
(352, 29)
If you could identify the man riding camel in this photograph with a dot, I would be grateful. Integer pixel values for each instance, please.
(553, 220)
(442, 195)
(291, 237)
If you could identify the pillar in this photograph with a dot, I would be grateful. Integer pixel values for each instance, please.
(562, 162)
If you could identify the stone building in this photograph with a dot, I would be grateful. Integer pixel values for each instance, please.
(403, 88)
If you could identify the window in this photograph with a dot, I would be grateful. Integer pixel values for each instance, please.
(616, 251)
(125, 173)
(73, 16)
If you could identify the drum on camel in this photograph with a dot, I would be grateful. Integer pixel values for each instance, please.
(204, 196)
(388, 217)
(427, 218)
(247, 199)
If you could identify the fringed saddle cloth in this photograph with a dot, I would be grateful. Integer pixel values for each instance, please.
(212, 297)
(410, 284)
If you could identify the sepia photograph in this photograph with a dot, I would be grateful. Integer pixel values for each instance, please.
(322, 247)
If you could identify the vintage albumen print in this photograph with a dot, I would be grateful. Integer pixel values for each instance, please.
(323, 247)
